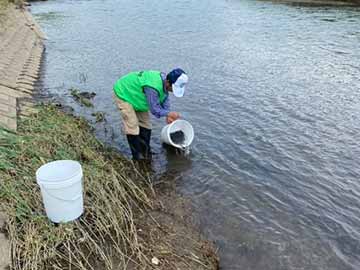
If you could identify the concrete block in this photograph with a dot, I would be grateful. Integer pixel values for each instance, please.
(7, 100)
(5, 92)
(8, 122)
(7, 109)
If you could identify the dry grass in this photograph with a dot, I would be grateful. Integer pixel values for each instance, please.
(105, 237)
(124, 225)
(5, 10)
(4, 4)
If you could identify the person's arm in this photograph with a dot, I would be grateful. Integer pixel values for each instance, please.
(153, 100)
(172, 116)
(166, 103)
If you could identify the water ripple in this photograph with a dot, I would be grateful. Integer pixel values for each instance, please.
(273, 98)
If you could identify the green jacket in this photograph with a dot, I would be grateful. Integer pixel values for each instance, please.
(130, 88)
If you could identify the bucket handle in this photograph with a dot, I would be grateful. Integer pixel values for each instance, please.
(62, 199)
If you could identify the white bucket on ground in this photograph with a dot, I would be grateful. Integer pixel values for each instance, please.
(178, 125)
(61, 189)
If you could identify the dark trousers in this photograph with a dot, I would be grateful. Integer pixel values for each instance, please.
(140, 144)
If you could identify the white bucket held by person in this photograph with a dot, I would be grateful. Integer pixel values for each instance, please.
(61, 189)
(179, 134)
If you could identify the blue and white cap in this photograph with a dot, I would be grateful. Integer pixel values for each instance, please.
(178, 79)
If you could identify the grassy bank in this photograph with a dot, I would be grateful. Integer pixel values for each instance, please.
(118, 229)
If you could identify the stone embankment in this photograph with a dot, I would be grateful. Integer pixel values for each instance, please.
(21, 48)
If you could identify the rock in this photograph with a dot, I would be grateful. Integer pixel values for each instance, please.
(4, 245)
(68, 109)
(77, 94)
(2, 219)
(4, 252)
(86, 102)
(82, 97)
(88, 95)
(100, 116)
(155, 261)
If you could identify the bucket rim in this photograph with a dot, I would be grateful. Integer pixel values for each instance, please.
(179, 120)
(61, 184)
(55, 181)
(169, 129)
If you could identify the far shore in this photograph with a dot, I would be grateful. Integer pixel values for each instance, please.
(318, 2)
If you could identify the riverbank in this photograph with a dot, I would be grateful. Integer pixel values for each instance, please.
(21, 48)
(126, 225)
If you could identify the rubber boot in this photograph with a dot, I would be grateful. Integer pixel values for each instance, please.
(145, 136)
(135, 146)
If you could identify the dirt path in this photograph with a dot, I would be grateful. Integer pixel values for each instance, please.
(21, 47)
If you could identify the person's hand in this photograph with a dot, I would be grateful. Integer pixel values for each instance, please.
(172, 116)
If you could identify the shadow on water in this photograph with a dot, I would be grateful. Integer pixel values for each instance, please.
(174, 166)
(177, 164)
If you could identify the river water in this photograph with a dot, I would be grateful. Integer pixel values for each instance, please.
(274, 98)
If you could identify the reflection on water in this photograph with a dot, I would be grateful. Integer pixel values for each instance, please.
(48, 16)
(177, 162)
(273, 98)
